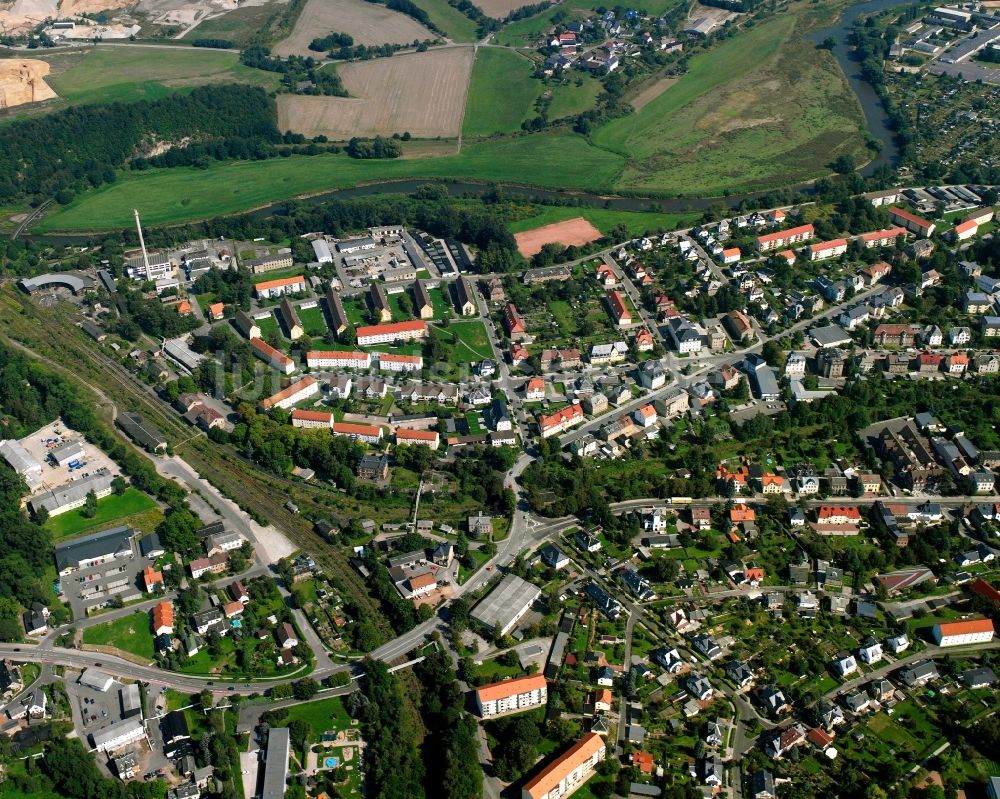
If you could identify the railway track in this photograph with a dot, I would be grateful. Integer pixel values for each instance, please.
(54, 337)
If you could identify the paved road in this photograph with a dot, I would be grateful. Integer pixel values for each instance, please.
(930, 653)
(706, 502)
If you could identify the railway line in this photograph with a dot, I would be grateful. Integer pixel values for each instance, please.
(53, 337)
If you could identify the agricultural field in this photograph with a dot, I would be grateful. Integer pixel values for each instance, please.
(93, 75)
(498, 9)
(570, 233)
(762, 109)
(498, 73)
(368, 23)
(166, 196)
(420, 93)
(134, 506)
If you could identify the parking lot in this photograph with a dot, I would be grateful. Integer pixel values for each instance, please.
(94, 710)
(39, 443)
(96, 587)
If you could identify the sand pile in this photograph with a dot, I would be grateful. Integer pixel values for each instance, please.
(22, 80)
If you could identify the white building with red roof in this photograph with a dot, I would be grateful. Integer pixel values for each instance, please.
(511, 696)
(555, 423)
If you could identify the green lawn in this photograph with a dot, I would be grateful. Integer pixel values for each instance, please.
(126, 74)
(313, 321)
(637, 222)
(471, 341)
(322, 715)
(762, 109)
(501, 93)
(464, 573)
(441, 303)
(109, 509)
(131, 634)
(452, 21)
(267, 326)
(573, 96)
(165, 196)
(398, 315)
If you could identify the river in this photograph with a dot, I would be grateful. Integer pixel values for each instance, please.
(876, 117)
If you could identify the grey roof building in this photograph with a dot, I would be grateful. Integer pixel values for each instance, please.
(504, 606)
(276, 763)
(60, 500)
(150, 546)
(141, 432)
(101, 546)
(128, 695)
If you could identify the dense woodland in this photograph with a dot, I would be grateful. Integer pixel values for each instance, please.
(79, 148)
(390, 727)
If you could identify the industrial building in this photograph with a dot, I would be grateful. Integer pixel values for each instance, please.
(504, 606)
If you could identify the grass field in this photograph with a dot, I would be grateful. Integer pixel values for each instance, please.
(131, 634)
(313, 321)
(321, 716)
(453, 22)
(762, 109)
(112, 508)
(123, 74)
(573, 96)
(470, 341)
(499, 74)
(637, 222)
(165, 196)
(237, 26)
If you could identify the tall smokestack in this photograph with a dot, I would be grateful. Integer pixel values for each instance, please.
(142, 242)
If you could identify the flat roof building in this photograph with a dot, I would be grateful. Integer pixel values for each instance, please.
(506, 604)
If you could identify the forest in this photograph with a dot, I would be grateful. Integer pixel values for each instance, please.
(69, 151)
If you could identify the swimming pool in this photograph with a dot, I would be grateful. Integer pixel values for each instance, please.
(332, 762)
